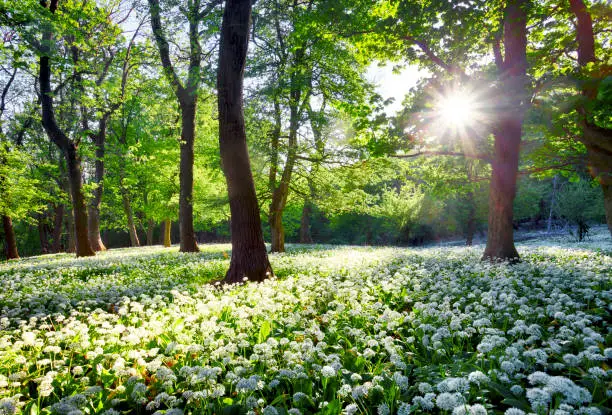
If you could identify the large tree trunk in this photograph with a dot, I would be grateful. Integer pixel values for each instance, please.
(507, 133)
(305, 236)
(94, 205)
(167, 233)
(598, 140)
(57, 228)
(79, 208)
(9, 235)
(500, 238)
(249, 256)
(188, 239)
(67, 146)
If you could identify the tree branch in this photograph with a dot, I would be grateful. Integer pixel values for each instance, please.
(483, 157)
(435, 58)
(164, 48)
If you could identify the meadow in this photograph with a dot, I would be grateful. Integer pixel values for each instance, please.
(351, 330)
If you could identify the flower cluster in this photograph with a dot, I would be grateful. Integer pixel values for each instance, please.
(339, 330)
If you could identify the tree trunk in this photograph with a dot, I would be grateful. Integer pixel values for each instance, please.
(167, 230)
(500, 241)
(9, 235)
(150, 229)
(95, 239)
(79, 208)
(57, 228)
(281, 191)
(188, 239)
(277, 231)
(305, 236)
(598, 140)
(129, 214)
(600, 167)
(67, 146)
(70, 231)
(94, 205)
(249, 257)
(607, 192)
(507, 134)
(42, 234)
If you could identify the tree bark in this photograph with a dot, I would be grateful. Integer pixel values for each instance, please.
(79, 208)
(68, 147)
(249, 256)
(598, 140)
(188, 239)
(129, 214)
(9, 236)
(507, 134)
(167, 231)
(57, 228)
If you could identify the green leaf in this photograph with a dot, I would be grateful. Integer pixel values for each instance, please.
(264, 331)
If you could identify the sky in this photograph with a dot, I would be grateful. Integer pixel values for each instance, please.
(392, 85)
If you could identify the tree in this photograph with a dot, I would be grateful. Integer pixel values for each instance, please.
(7, 222)
(596, 132)
(249, 256)
(508, 131)
(68, 146)
(306, 77)
(446, 37)
(187, 95)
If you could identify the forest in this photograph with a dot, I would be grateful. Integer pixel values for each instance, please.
(305, 206)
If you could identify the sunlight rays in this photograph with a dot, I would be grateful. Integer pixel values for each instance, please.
(454, 115)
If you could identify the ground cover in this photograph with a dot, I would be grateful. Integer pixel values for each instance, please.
(339, 330)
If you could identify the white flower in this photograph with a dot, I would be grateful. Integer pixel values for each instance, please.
(539, 399)
(270, 410)
(448, 401)
(404, 409)
(383, 409)
(328, 372)
(351, 409)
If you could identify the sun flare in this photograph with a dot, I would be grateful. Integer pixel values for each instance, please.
(457, 110)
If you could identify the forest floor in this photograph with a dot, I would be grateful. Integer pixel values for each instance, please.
(338, 330)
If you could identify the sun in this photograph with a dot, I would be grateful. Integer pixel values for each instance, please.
(456, 110)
